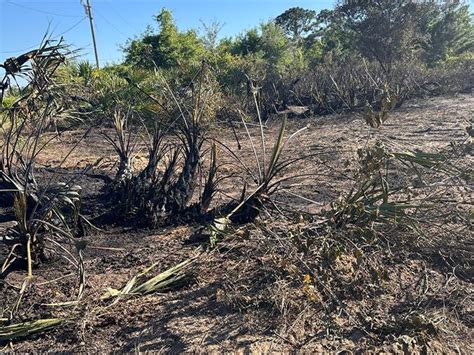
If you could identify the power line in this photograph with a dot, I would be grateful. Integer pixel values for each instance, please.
(71, 28)
(123, 18)
(52, 38)
(20, 50)
(39, 10)
(110, 23)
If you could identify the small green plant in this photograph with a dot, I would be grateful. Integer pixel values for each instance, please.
(374, 198)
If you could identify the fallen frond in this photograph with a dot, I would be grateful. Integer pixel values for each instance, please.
(161, 282)
(25, 329)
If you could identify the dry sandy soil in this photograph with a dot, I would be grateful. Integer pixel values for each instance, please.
(203, 315)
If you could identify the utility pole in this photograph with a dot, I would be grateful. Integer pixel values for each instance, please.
(88, 8)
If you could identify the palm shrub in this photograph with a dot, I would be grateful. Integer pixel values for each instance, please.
(378, 196)
(123, 144)
(45, 213)
(267, 176)
(24, 120)
(165, 186)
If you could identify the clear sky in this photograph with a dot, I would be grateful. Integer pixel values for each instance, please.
(24, 22)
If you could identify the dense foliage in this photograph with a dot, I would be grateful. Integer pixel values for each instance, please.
(338, 59)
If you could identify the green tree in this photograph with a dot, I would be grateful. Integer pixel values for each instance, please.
(247, 43)
(331, 38)
(274, 45)
(166, 49)
(385, 30)
(451, 33)
(296, 22)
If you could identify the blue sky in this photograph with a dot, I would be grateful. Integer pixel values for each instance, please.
(23, 22)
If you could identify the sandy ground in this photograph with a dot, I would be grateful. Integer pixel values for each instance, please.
(195, 317)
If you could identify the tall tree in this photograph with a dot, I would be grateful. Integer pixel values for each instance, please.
(385, 30)
(332, 35)
(166, 49)
(451, 33)
(296, 22)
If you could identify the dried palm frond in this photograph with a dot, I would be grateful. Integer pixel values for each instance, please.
(211, 184)
(25, 329)
(388, 102)
(161, 282)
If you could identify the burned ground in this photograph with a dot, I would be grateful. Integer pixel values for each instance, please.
(249, 293)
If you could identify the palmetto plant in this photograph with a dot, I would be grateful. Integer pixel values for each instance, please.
(267, 177)
(50, 220)
(174, 142)
(45, 212)
(375, 198)
(36, 67)
(124, 145)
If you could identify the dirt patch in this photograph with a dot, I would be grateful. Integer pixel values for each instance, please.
(230, 304)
